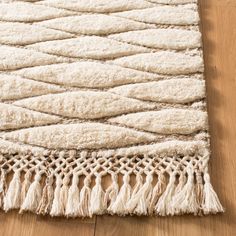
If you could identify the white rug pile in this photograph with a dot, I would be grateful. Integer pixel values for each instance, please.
(102, 108)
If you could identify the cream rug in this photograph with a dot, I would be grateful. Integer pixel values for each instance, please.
(103, 108)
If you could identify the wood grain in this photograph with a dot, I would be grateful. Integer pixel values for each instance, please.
(219, 39)
(28, 224)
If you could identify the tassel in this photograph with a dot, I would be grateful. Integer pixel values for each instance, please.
(56, 205)
(138, 185)
(182, 182)
(12, 197)
(47, 197)
(211, 203)
(72, 206)
(199, 191)
(111, 192)
(25, 185)
(60, 197)
(156, 193)
(131, 205)
(64, 194)
(119, 206)
(162, 206)
(145, 197)
(33, 195)
(184, 201)
(85, 196)
(97, 203)
(138, 200)
(2, 187)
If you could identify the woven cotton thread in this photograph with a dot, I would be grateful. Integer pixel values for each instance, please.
(93, 92)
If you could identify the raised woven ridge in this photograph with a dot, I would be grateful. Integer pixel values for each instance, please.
(103, 91)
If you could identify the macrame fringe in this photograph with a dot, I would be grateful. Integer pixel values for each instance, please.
(211, 203)
(156, 193)
(111, 193)
(163, 205)
(85, 196)
(57, 206)
(184, 200)
(72, 206)
(47, 197)
(173, 193)
(97, 201)
(138, 203)
(25, 185)
(12, 197)
(33, 195)
(119, 205)
(2, 187)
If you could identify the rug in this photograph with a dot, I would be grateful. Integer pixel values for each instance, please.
(103, 108)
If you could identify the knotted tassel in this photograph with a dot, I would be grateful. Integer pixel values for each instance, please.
(182, 182)
(199, 190)
(85, 196)
(2, 187)
(138, 185)
(57, 207)
(47, 197)
(156, 193)
(178, 189)
(162, 206)
(111, 192)
(119, 206)
(12, 197)
(33, 195)
(26, 185)
(72, 206)
(97, 202)
(139, 195)
(211, 203)
(64, 194)
(185, 200)
(144, 196)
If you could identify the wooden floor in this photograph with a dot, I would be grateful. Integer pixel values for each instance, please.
(219, 38)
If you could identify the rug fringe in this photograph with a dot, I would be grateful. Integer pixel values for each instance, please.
(12, 197)
(2, 186)
(211, 202)
(26, 184)
(97, 201)
(33, 195)
(57, 206)
(172, 193)
(85, 196)
(72, 206)
(111, 193)
(184, 200)
(119, 206)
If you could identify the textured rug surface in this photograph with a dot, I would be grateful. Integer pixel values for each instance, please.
(102, 108)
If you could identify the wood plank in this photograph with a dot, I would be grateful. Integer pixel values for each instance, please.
(220, 2)
(219, 37)
(29, 224)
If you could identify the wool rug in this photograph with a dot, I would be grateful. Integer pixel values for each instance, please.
(103, 108)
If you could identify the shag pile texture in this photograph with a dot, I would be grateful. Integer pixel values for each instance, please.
(103, 108)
